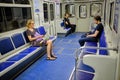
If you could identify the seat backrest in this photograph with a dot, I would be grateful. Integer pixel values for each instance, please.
(26, 37)
(62, 24)
(103, 43)
(6, 45)
(18, 40)
(42, 31)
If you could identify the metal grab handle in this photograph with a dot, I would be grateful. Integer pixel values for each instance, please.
(100, 48)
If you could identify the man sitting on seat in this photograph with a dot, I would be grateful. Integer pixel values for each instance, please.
(95, 35)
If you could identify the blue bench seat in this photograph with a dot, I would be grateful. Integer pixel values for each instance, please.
(41, 31)
(66, 31)
(85, 51)
(102, 43)
(29, 50)
(84, 76)
(5, 65)
(82, 66)
(18, 40)
(92, 44)
(18, 61)
(22, 54)
(16, 57)
(6, 45)
(23, 57)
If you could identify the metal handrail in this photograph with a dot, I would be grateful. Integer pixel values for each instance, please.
(89, 47)
(100, 48)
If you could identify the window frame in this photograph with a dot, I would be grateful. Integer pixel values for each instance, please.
(85, 11)
(45, 20)
(61, 16)
(111, 15)
(68, 9)
(91, 13)
(22, 23)
(52, 12)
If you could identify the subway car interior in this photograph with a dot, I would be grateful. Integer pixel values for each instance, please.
(59, 25)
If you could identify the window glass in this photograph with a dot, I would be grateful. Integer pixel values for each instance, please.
(116, 16)
(82, 11)
(111, 15)
(60, 10)
(96, 9)
(70, 8)
(45, 9)
(6, 1)
(52, 11)
(21, 1)
(13, 18)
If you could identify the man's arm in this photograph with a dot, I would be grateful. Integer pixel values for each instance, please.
(93, 35)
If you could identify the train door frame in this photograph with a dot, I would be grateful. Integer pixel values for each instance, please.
(52, 22)
(73, 16)
(81, 21)
(49, 25)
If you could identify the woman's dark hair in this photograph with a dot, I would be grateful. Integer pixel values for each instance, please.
(98, 18)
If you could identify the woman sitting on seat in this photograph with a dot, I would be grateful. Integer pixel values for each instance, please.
(37, 40)
(68, 24)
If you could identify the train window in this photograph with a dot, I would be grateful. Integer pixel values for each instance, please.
(60, 10)
(82, 11)
(45, 9)
(6, 1)
(21, 1)
(70, 8)
(52, 11)
(111, 14)
(116, 16)
(13, 18)
(96, 9)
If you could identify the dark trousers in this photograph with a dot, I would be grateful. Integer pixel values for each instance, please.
(72, 26)
(84, 39)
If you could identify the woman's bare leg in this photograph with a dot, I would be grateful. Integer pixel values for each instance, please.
(49, 49)
(52, 54)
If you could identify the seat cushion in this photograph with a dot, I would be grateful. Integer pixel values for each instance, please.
(16, 57)
(81, 75)
(28, 50)
(92, 44)
(18, 40)
(5, 45)
(4, 65)
(82, 66)
(67, 29)
(62, 24)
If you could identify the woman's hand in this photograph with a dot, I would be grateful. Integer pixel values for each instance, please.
(66, 22)
(37, 37)
(87, 35)
(41, 36)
